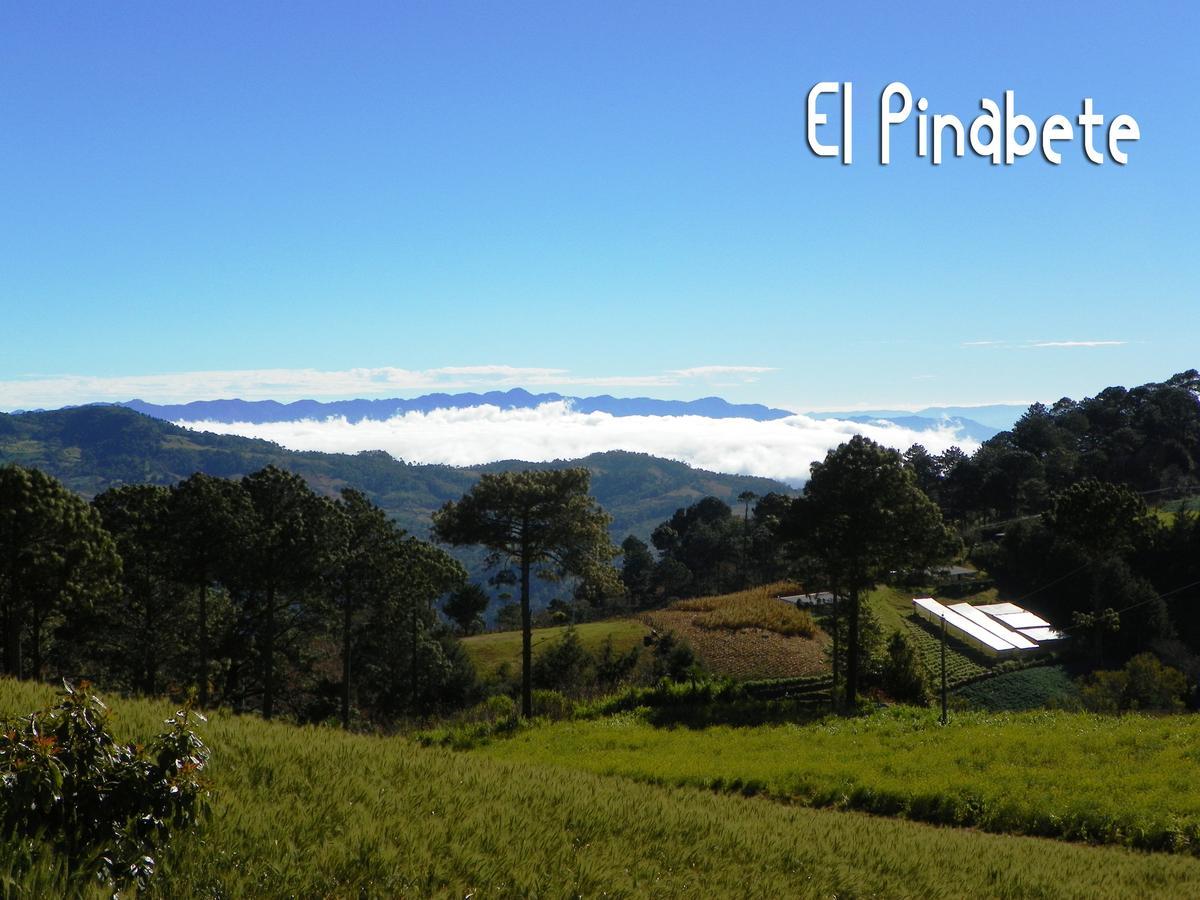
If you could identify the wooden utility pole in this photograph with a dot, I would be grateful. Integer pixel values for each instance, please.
(945, 718)
(835, 698)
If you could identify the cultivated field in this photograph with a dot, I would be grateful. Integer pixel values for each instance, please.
(1167, 511)
(893, 607)
(1132, 780)
(748, 634)
(314, 812)
(757, 607)
(1036, 688)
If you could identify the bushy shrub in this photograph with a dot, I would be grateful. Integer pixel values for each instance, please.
(673, 658)
(1144, 683)
(904, 676)
(498, 708)
(107, 809)
(565, 665)
(612, 667)
(552, 705)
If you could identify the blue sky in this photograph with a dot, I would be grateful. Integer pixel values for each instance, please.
(310, 199)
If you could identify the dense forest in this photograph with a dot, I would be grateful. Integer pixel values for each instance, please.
(257, 593)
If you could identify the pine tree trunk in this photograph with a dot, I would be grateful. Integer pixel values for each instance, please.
(268, 707)
(10, 640)
(204, 642)
(149, 667)
(35, 671)
(412, 668)
(852, 651)
(346, 622)
(526, 642)
(833, 692)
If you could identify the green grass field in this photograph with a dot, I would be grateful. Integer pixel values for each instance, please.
(490, 651)
(313, 812)
(1133, 780)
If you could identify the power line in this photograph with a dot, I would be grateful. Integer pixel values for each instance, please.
(1058, 580)
(998, 522)
(1153, 599)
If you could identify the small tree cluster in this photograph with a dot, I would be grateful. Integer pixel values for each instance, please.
(903, 675)
(568, 666)
(1143, 683)
(674, 658)
(707, 548)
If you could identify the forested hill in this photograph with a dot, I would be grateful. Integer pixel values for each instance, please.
(91, 448)
(1147, 438)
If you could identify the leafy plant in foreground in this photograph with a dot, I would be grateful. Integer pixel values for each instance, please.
(107, 809)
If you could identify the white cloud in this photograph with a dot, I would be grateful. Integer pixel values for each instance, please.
(1018, 345)
(501, 372)
(294, 384)
(1079, 343)
(782, 449)
(747, 372)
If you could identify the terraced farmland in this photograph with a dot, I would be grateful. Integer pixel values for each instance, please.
(893, 607)
(1033, 688)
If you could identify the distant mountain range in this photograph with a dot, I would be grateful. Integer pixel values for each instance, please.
(91, 448)
(967, 428)
(977, 423)
(260, 411)
(996, 416)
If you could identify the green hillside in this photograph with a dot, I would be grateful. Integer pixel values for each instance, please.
(315, 812)
(91, 448)
(488, 652)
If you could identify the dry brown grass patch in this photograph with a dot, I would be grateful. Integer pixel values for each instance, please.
(753, 608)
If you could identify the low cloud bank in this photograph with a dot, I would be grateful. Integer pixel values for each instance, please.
(781, 449)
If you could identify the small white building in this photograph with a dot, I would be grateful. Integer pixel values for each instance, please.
(819, 598)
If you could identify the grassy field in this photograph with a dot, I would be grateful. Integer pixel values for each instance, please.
(317, 813)
(490, 651)
(1132, 780)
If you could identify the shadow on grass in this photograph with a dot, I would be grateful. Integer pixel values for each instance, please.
(741, 714)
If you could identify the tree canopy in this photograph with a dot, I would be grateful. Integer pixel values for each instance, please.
(862, 516)
(55, 555)
(543, 523)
